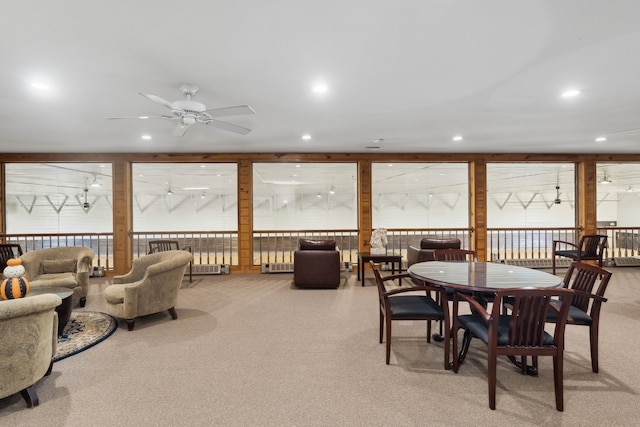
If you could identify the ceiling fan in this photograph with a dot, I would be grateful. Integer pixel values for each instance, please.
(189, 112)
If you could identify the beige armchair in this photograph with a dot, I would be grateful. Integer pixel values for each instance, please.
(29, 331)
(66, 267)
(150, 287)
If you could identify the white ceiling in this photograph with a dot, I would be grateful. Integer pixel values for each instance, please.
(414, 73)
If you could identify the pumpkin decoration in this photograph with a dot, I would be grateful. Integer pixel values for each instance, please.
(14, 285)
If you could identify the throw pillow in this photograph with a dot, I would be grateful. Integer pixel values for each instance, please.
(53, 266)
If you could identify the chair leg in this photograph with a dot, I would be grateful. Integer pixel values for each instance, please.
(83, 301)
(173, 313)
(428, 331)
(381, 325)
(29, 395)
(558, 381)
(491, 372)
(553, 263)
(593, 337)
(130, 324)
(388, 322)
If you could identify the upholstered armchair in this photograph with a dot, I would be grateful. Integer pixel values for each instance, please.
(150, 287)
(29, 331)
(316, 264)
(66, 267)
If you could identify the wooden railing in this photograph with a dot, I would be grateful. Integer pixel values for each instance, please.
(275, 246)
(101, 243)
(207, 247)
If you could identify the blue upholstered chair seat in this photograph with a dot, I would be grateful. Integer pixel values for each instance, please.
(576, 316)
(412, 306)
(479, 329)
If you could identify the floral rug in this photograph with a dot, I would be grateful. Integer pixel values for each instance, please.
(84, 330)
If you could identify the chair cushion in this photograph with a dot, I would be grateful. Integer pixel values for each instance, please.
(576, 316)
(412, 306)
(114, 294)
(479, 328)
(317, 245)
(54, 266)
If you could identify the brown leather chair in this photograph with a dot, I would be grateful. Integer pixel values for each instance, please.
(316, 264)
(428, 246)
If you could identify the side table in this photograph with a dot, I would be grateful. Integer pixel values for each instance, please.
(365, 257)
(64, 309)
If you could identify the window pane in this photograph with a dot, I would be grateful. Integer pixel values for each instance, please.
(58, 198)
(530, 195)
(420, 195)
(185, 197)
(305, 196)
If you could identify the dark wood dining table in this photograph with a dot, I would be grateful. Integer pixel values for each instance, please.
(481, 279)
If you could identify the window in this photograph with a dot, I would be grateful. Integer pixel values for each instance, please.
(305, 196)
(185, 196)
(420, 195)
(58, 198)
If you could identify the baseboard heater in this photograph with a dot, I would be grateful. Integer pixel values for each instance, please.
(537, 262)
(287, 267)
(209, 269)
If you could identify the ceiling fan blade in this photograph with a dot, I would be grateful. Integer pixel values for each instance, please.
(141, 117)
(229, 126)
(231, 111)
(157, 99)
(180, 130)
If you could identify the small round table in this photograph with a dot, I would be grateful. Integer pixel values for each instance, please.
(64, 309)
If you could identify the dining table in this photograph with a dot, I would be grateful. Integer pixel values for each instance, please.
(481, 279)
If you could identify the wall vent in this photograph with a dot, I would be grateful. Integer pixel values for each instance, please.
(346, 266)
(277, 267)
(209, 269)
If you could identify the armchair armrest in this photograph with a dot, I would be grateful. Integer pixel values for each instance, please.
(564, 242)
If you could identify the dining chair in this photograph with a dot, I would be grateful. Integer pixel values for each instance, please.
(455, 255)
(585, 308)
(410, 303)
(590, 248)
(163, 245)
(519, 333)
(8, 251)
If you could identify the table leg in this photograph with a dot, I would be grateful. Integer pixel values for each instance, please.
(531, 370)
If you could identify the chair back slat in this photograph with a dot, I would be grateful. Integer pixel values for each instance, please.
(454, 255)
(592, 245)
(583, 277)
(163, 245)
(529, 308)
(8, 251)
(529, 314)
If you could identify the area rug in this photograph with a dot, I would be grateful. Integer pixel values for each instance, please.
(84, 330)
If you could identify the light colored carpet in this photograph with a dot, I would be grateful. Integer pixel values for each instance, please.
(251, 350)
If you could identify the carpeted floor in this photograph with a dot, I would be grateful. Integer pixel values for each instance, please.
(251, 350)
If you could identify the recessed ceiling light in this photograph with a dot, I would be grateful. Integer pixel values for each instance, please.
(570, 93)
(40, 86)
(457, 138)
(146, 137)
(143, 117)
(601, 139)
(306, 137)
(320, 88)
